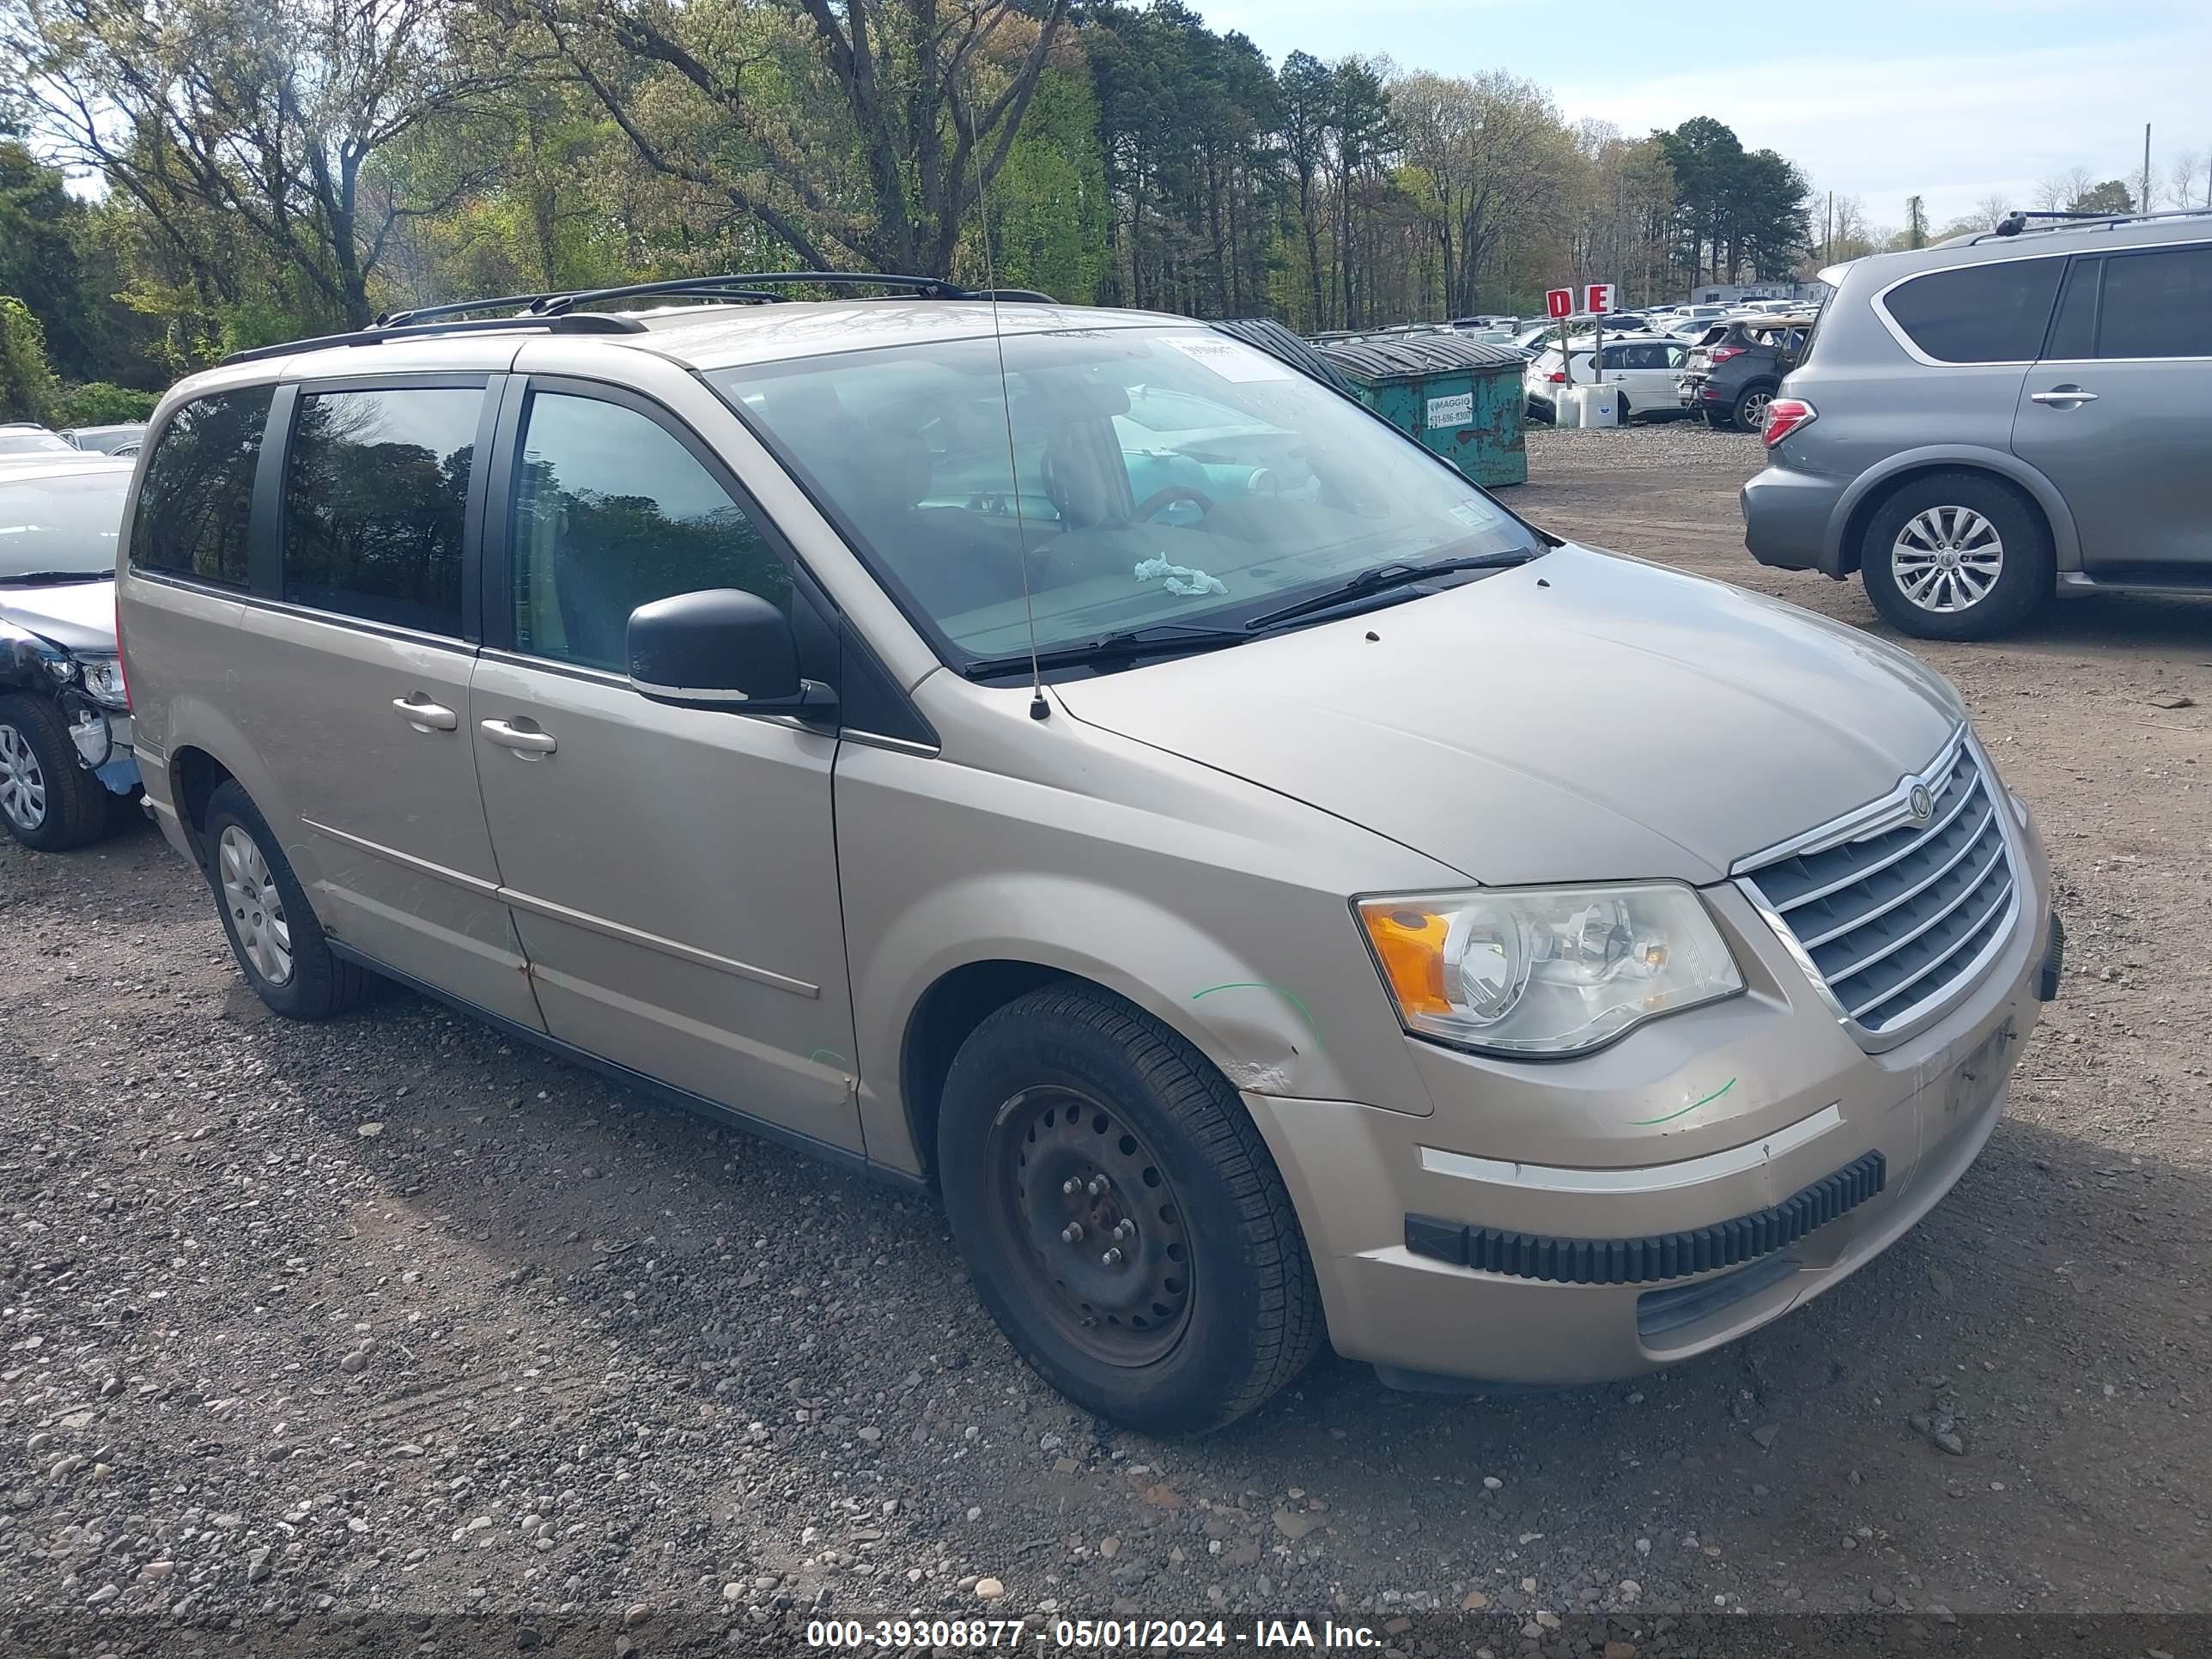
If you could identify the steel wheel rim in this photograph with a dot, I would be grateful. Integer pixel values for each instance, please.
(22, 781)
(1947, 559)
(1107, 1259)
(256, 908)
(1754, 410)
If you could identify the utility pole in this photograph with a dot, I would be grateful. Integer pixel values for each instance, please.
(2143, 202)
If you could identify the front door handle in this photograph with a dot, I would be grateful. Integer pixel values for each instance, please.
(2062, 397)
(424, 716)
(510, 737)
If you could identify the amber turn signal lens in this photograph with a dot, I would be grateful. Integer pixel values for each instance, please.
(1409, 942)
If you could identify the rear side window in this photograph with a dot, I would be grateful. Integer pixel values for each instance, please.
(2157, 304)
(1992, 314)
(194, 507)
(376, 489)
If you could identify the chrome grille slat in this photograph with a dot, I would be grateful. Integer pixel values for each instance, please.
(1882, 909)
(1997, 903)
(1891, 919)
(1935, 827)
(1891, 949)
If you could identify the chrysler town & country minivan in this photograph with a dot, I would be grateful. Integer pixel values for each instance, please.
(1067, 757)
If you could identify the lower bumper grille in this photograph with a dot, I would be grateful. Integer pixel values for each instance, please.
(1655, 1256)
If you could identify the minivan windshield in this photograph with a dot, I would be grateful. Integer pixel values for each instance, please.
(62, 524)
(1167, 479)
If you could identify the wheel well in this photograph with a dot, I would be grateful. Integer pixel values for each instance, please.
(198, 774)
(948, 1012)
(1855, 527)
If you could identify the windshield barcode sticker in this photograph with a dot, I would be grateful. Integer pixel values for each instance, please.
(1230, 359)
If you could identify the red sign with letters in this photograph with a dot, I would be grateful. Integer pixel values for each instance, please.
(1559, 301)
(1598, 299)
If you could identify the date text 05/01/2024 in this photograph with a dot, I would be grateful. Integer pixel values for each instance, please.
(1090, 1635)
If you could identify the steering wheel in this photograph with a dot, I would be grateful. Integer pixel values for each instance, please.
(1167, 495)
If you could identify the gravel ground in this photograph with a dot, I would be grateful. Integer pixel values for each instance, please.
(388, 1318)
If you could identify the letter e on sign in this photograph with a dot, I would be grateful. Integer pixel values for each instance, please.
(1559, 301)
(1598, 299)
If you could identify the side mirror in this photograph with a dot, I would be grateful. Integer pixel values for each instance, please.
(721, 648)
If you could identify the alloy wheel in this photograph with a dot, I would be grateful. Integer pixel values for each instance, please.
(1754, 410)
(22, 782)
(1947, 559)
(1086, 1212)
(257, 909)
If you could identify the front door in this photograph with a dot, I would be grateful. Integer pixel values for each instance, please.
(671, 871)
(355, 682)
(2115, 414)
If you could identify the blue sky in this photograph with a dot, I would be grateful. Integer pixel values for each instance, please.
(1953, 98)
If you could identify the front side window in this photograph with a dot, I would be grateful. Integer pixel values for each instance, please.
(612, 512)
(376, 489)
(62, 524)
(2157, 304)
(1991, 313)
(1113, 480)
(197, 499)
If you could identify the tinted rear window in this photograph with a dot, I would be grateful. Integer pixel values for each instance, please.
(194, 507)
(1992, 314)
(376, 491)
(2157, 304)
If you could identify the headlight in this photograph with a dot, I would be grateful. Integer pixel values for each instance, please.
(103, 679)
(1545, 971)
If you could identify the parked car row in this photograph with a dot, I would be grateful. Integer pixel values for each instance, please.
(30, 438)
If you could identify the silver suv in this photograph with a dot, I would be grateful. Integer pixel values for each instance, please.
(1978, 424)
(1070, 759)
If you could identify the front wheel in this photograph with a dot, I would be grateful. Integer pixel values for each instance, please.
(1120, 1216)
(1955, 555)
(48, 801)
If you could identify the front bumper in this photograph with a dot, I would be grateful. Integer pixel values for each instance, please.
(103, 742)
(1786, 515)
(1439, 1256)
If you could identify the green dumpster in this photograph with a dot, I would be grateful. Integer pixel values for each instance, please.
(1460, 397)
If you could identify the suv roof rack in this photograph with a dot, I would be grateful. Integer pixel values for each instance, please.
(557, 311)
(590, 323)
(2017, 221)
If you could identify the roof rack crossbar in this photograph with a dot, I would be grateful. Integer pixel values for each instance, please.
(587, 323)
(454, 308)
(932, 287)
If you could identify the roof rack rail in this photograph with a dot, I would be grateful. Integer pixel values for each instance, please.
(2016, 222)
(933, 287)
(588, 323)
(558, 312)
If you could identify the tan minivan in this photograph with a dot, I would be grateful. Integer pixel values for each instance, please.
(1071, 758)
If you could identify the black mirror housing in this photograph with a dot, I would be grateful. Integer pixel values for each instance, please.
(720, 648)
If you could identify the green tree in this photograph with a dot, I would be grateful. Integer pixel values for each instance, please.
(1915, 223)
(2111, 196)
(867, 125)
(27, 384)
(274, 116)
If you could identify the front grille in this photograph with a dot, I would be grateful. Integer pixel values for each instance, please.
(1894, 916)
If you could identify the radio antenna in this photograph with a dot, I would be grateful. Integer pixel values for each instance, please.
(1039, 709)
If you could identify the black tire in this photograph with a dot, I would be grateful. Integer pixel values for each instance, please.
(2024, 578)
(1748, 412)
(60, 805)
(1078, 1078)
(317, 984)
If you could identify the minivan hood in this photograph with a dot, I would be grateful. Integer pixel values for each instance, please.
(1581, 717)
(74, 615)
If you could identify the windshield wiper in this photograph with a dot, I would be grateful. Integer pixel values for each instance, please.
(60, 576)
(1382, 578)
(1116, 647)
